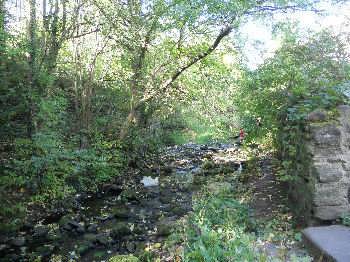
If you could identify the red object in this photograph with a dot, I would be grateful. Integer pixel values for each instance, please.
(241, 134)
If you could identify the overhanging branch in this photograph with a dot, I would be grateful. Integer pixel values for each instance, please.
(168, 83)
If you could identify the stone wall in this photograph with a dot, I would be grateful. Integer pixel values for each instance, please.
(329, 145)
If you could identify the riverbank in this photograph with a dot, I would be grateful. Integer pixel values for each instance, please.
(193, 203)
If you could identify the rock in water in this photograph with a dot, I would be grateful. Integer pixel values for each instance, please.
(18, 242)
(148, 181)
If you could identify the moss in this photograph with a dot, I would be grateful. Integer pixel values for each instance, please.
(123, 258)
(120, 229)
(208, 164)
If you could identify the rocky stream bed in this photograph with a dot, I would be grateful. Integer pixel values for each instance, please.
(140, 209)
(136, 212)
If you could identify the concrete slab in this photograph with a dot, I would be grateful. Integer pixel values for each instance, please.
(328, 243)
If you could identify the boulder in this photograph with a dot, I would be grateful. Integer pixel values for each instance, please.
(112, 189)
(327, 136)
(166, 170)
(40, 234)
(178, 210)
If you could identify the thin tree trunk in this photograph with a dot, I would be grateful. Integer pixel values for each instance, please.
(31, 126)
(2, 25)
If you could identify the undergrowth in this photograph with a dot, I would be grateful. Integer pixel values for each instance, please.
(219, 229)
(222, 228)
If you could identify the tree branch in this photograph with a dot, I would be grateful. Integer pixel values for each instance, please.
(166, 85)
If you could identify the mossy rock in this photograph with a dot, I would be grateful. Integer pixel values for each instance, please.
(129, 195)
(124, 258)
(120, 230)
(178, 210)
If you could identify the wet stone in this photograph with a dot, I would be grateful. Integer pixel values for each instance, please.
(3, 248)
(92, 228)
(18, 241)
(40, 231)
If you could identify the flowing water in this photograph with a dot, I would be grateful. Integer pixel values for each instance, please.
(127, 218)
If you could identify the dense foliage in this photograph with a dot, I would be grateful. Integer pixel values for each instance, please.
(87, 85)
(303, 76)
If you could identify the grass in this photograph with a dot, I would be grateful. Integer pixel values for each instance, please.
(219, 229)
(222, 229)
(197, 131)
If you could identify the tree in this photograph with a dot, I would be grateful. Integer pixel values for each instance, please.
(160, 40)
(303, 75)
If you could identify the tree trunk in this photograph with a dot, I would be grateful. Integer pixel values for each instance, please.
(2, 25)
(31, 126)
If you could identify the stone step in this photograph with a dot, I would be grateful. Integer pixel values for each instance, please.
(328, 243)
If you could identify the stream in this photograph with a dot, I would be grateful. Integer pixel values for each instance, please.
(135, 213)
